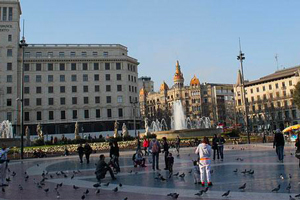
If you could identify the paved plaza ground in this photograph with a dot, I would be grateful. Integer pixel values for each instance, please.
(141, 182)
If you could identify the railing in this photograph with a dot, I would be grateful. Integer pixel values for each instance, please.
(79, 45)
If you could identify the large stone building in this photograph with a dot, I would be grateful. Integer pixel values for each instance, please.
(269, 100)
(146, 83)
(198, 100)
(91, 84)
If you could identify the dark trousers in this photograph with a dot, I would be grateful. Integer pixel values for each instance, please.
(216, 150)
(221, 148)
(87, 156)
(155, 157)
(279, 151)
(80, 157)
(166, 159)
(101, 175)
(146, 152)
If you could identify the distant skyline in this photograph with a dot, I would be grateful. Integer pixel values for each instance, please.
(202, 35)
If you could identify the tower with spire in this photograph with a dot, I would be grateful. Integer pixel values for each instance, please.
(178, 77)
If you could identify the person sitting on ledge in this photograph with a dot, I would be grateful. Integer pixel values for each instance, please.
(138, 159)
(102, 168)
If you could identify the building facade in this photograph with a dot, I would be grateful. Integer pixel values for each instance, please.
(198, 100)
(145, 82)
(269, 100)
(93, 84)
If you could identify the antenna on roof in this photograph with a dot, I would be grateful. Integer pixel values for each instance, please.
(276, 58)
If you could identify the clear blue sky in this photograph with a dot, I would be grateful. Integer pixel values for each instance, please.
(202, 35)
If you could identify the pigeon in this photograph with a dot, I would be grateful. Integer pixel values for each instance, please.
(37, 165)
(182, 175)
(65, 176)
(13, 174)
(162, 178)
(106, 184)
(78, 171)
(244, 172)
(173, 195)
(251, 172)
(130, 172)
(290, 176)
(281, 177)
(8, 179)
(298, 195)
(276, 189)
(115, 189)
(288, 188)
(126, 198)
(291, 198)
(136, 173)
(97, 191)
(211, 171)
(120, 184)
(72, 176)
(86, 192)
(60, 185)
(243, 187)
(205, 190)
(170, 175)
(199, 193)
(236, 170)
(3, 190)
(190, 171)
(96, 185)
(62, 172)
(83, 197)
(20, 187)
(75, 187)
(8, 170)
(51, 176)
(176, 174)
(46, 190)
(226, 194)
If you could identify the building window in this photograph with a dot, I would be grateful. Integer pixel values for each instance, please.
(97, 88)
(50, 89)
(118, 66)
(264, 88)
(120, 99)
(108, 99)
(26, 102)
(294, 114)
(95, 53)
(50, 66)
(50, 101)
(26, 90)
(86, 114)
(128, 77)
(62, 67)
(9, 66)
(50, 78)
(38, 78)
(62, 89)
(290, 83)
(39, 101)
(62, 101)
(257, 89)
(97, 113)
(119, 77)
(38, 115)
(62, 78)
(97, 100)
(8, 102)
(96, 66)
(73, 54)
(73, 78)
(26, 67)
(119, 88)
(85, 77)
(62, 114)
(51, 115)
(96, 77)
(107, 66)
(38, 90)
(73, 66)
(9, 53)
(86, 100)
(9, 78)
(8, 90)
(276, 85)
(283, 84)
(9, 38)
(50, 54)
(61, 54)
(129, 88)
(251, 91)
(105, 53)
(27, 54)
(74, 89)
(74, 100)
(84, 66)
(10, 14)
(83, 54)
(120, 111)
(109, 113)
(27, 116)
(85, 88)
(74, 114)
(108, 88)
(107, 77)
(38, 54)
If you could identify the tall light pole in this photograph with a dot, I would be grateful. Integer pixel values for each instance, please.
(22, 45)
(134, 121)
(241, 57)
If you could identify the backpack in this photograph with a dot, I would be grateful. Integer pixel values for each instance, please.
(155, 147)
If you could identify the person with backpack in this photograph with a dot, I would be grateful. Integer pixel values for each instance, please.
(155, 148)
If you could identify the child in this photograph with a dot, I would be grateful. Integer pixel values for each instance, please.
(170, 161)
(196, 172)
(138, 159)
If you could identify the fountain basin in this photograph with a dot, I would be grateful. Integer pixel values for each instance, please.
(188, 133)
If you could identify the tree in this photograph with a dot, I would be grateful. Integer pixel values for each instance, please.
(296, 95)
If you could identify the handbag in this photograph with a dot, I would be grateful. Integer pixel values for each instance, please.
(297, 153)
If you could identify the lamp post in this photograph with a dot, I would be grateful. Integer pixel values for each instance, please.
(241, 57)
(134, 121)
(22, 45)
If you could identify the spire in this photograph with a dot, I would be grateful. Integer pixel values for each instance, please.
(239, 78)
(178, 77)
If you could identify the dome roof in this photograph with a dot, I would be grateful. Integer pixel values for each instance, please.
(178, 74)
(195, 81)
(164, 86)
(143, 92)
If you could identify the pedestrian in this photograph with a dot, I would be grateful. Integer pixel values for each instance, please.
(138, 144)
(80, 151)
(204, 152)
(102, 168)
(264, 137)
(146, 145)
(170, 163)
(279, 144)
(177, 145)
(196, 172)
(116, 156)
(3, 164)
(155, 148)
(297, 145)
(215, 147)
(166, 152)
(220, 142)
(87, 151)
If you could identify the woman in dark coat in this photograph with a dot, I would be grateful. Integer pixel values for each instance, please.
(215, 146)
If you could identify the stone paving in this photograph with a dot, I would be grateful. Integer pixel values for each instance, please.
(141, 182)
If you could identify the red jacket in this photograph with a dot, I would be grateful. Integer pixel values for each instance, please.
(146, 143)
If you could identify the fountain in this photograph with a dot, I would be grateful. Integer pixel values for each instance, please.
(6, 129)
(178, 115)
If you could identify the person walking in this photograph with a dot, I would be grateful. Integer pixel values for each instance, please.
(279, 144)
(155, 148)
(3, 164)
(220, 142)
(166, 152)
(177, 145)
(116, 156)
(80, 151)
(87, 151)
(204, 152)
(297, 145)
(215, 147)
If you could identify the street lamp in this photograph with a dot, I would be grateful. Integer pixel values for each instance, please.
(22, 45)
(134, 121)
(241, 57)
